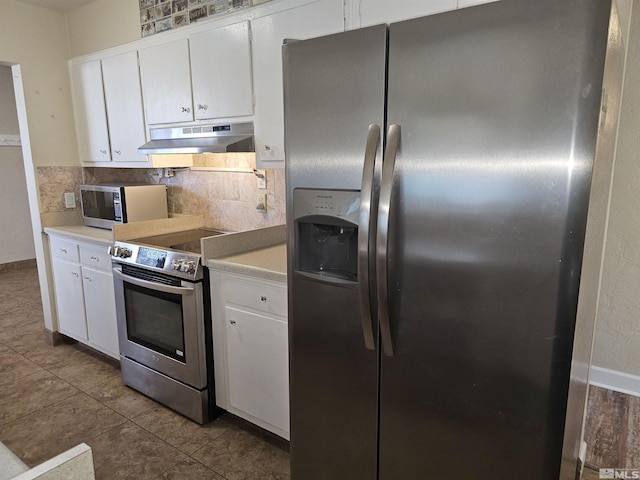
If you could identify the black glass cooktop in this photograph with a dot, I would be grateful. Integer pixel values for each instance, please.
(186, 241)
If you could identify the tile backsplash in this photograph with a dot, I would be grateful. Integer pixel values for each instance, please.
(227, 200)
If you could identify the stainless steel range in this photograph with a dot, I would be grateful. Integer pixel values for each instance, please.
(164, 320)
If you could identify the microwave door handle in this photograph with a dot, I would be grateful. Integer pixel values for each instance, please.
(117, 271)
(364, 229)
(382, 237)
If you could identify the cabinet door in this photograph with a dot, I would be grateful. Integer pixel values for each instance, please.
(90, 113)
(221, 72)
(69, 299)
(257, 356)
(123, 99)
(308, 21)
(374, 12)
(166, 82)
(100, 306)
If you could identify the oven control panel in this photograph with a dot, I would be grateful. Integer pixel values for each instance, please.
(177, 264)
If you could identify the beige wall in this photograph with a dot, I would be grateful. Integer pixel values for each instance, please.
(36, 38)
(617, 342)
(16, 240)
(8, 113)
(103, 24)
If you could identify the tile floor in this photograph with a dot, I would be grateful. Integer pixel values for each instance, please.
(53, 398)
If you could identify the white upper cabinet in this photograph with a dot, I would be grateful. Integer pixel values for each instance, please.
(221, 72)
(203, 77)
(374, 12)
(107, 104)
(307, 21)
(166, 82)
(90, 113)
(123, 99)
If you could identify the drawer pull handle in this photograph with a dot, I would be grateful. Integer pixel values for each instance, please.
(263, 299)
(103, 152)
(88, 279)
(186, 110)
(117, 152)
(95, 259)
(63, 250)
(75, 274)
(232, 322)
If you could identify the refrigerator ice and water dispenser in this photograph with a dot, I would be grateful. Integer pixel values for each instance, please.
(326, 223)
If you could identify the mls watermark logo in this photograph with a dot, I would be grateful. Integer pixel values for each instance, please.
(619, 473)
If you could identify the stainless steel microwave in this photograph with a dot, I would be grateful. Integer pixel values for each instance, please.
(106, 205)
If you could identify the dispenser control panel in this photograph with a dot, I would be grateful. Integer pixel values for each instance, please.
(341, 204)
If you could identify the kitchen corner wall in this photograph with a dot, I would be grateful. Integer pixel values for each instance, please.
(227, 200)
(618, 323)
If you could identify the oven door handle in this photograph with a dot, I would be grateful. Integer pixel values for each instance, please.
(117, 271)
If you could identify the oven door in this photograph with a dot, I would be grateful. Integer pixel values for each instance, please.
(161, 323)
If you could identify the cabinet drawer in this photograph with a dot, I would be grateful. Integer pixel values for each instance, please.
(65, 249)
(95, 256)
(266, 297)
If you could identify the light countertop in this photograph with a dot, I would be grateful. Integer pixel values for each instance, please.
(83, 233)
(269, 263)
(259, 253)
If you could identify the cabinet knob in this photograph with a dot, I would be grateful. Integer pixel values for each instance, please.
(232, 322)
(104, 152)
(75, 274)
(263, 299)
(186, 110)
(88, 279)
(117, 152)
(63, 250)
(202, 107)
(95, 259)
(267, 148)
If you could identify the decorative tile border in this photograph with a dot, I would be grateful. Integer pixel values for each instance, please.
(159, 15)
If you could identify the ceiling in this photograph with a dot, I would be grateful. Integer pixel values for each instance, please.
(61, 5)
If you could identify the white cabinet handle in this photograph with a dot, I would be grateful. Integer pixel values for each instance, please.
(117, 152)
(232, 322)
(95, 259)
(186, 110)
(203, 107)
(75, 274)
(263, 299)
(267, 148)
(63, 250)
(104, 152)
(88, 279)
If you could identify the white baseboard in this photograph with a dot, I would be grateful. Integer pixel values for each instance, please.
(615, 380)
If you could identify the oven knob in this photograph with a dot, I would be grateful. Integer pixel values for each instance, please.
(191, 267)
(123, 252)
(176, 264)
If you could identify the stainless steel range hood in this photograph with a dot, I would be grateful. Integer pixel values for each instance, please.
(234, 137)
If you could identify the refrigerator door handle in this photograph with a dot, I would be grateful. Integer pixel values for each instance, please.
(382, 237)
(366, 198)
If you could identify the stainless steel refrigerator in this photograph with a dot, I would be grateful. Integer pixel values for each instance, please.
(447, 186)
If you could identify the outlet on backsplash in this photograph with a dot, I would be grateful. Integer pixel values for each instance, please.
(262, 203)
(69, 200)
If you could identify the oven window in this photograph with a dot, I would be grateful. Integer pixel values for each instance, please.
(154, 320)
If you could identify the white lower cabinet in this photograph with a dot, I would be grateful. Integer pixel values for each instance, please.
(84, 294)
(251, 349)
(67, 278)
